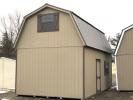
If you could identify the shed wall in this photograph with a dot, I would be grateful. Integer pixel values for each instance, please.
(124, 59)
(126, 47)
(55, 72)
(90, 71)
(124, 72)
(66, 36)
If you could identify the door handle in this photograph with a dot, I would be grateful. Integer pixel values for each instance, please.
(98, 77)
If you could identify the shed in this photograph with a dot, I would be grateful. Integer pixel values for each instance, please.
(7, 73)
(124, 60)
(59, 54)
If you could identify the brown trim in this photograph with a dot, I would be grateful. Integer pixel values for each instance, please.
(16, 73)
(58, 23)
(39, 29)
(38, 21)
(83, 73)
(96, 74)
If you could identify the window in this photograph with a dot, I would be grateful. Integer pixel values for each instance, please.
(48, 22)
(106, 68)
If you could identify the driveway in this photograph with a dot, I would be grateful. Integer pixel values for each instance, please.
(107, 95)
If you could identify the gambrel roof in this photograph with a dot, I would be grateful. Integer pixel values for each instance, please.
(91, 36)
(121, 38)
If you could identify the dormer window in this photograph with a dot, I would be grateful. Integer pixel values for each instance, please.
(48, 22)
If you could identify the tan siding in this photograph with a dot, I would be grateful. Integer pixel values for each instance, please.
(66, 36)
(126, 46)
(50, 72)
(90, 71)
(124, 59)
(124, 72)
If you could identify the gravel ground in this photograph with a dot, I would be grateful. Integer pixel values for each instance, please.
(107, 95)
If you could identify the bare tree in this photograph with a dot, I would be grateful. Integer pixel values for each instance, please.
(113, 41)
(10, 28)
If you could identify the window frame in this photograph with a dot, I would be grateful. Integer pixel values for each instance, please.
(106, 68)
(39, 28)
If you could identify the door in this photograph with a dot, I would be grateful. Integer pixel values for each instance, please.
(98, 75)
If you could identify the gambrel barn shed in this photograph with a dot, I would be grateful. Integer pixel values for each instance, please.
(61, 55)
(124, 60)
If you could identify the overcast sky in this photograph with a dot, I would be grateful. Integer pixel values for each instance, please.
(110, 16)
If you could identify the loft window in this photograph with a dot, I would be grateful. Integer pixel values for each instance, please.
(48, 22)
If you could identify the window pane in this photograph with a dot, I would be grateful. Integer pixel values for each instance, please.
(48, 22)
(48, 26)
(47, 18)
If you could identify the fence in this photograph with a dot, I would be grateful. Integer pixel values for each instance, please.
(7, 73)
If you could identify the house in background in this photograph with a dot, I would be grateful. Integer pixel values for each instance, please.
(61, 55)
(7, 73)
(124, 60)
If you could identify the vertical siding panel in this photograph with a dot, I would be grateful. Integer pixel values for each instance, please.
(51, 72)
(124, 73)
(126, 44)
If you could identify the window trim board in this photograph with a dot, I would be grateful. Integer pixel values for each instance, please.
(39, 21)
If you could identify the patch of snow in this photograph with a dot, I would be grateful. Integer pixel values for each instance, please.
(5, 99)
(1, 92)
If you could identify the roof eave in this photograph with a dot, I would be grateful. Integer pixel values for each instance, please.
(99, 49)
(121, 38)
